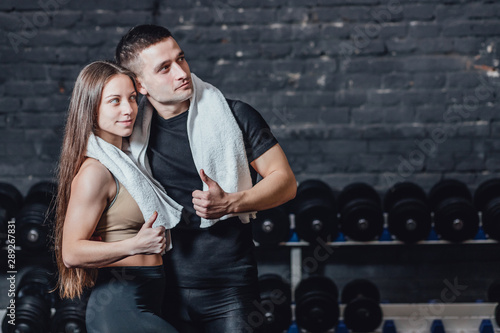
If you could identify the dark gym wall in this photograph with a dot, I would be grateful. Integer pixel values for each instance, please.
(355, 90)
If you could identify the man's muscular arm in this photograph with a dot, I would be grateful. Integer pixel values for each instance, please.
(277, 187)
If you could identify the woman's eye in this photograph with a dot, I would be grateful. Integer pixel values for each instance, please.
(114, 101)
(133, 98)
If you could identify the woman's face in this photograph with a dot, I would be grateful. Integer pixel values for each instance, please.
(117, 110)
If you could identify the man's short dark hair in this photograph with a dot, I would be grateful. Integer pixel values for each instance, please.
(135, 41)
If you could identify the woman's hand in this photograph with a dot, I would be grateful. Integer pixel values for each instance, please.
(150, 240)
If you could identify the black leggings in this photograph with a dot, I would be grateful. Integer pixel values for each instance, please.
(214, 310)
(127, 299)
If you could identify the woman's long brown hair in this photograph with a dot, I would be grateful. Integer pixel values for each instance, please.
(81, 121)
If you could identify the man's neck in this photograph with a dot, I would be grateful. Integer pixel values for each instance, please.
(167, 111)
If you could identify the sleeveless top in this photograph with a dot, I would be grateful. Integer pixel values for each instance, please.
(122, 219)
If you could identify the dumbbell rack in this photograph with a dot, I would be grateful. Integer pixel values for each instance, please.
(432, 317)
(416, 317)
(296, 252)
(456, 318)
(426, 318)
(419, 318)
(24, 259)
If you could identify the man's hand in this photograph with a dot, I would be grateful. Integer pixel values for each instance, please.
(211, 204)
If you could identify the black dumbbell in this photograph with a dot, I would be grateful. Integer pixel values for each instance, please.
(409, 216)
(32, 315)
(38, 282)
(275, 302)
(494, 297)
(316, 304)
(487, 200)
(361, 216)
(69, 316)
(36, 217)
(455, 217)
(315, 211)
(33, 301)
(271, 226)
(494, 292)
(362, 311)
(11, 201)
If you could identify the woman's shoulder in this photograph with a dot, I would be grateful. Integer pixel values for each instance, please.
(93, 177)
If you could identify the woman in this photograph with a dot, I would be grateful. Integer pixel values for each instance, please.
(124, 267)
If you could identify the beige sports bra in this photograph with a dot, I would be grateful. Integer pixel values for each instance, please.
(122, 219)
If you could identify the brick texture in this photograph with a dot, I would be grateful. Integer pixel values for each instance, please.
(352, 89)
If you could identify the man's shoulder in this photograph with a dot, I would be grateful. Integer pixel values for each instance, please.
(233, 103)
(241, 109)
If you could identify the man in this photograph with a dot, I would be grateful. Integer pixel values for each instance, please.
(206, 151)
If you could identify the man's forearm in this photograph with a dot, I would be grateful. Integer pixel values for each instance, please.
(278, 185)
(275, 189)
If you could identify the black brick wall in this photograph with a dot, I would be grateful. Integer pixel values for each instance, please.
(355, 90)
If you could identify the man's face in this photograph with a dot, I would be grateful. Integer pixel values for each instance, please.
(165, 77)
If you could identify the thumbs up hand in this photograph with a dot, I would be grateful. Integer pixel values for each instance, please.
(150, 240)
(213, 203)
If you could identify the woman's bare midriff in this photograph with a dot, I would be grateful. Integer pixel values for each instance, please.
(139, 260)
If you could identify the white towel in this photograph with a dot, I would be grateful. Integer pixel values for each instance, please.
(215, 139)
(147, 192)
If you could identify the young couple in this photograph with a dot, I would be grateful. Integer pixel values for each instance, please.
(154, 199)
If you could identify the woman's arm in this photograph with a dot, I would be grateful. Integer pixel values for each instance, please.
(90, 193)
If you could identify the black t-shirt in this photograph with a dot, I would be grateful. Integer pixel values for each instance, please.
(221, 255)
